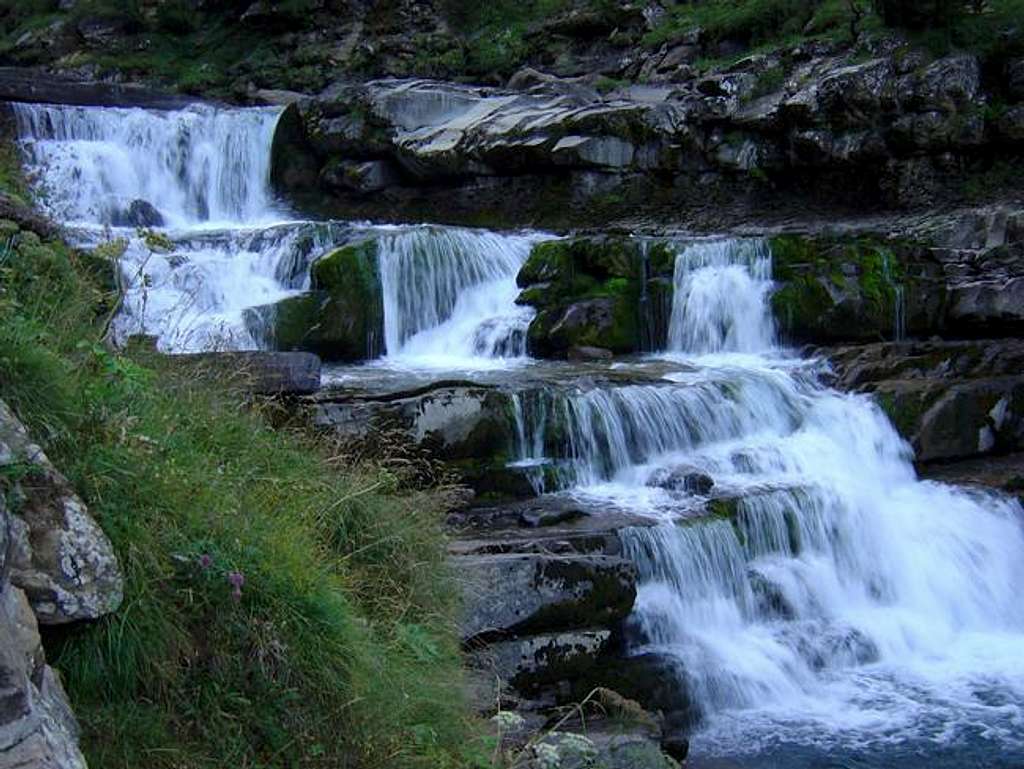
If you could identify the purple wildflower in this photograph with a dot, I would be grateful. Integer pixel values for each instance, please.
(236, 579)
(205, 561)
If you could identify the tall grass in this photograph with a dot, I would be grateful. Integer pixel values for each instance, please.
(282, 608)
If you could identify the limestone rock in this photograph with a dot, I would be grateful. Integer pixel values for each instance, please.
(37, 728)
(62, 559)
(515, 594)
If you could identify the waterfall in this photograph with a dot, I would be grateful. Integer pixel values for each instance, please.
(195, 165)
(192, 292)
(719, 299)
(831, 599)
(200, 177)
(449, 295)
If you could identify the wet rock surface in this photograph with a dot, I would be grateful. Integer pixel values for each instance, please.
(951, 400)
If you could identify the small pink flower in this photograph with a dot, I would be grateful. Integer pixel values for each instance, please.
(205, 561)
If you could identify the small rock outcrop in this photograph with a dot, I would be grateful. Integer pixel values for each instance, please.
(341, 318)
(950, 400)
(37, 727)
(60, 557)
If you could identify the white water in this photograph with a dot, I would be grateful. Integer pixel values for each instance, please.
(719, 302)
(449, 296)
(196, 166)
(845, 605)
(449, 293)
(207, 172)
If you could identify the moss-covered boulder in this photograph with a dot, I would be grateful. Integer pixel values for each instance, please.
(854, 289)
(590, 292)
(342, 318)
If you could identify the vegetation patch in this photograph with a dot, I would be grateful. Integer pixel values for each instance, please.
(285, 604)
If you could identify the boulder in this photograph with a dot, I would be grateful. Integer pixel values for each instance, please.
(451, 420)
(37, 727)
(61, 558)
(342, 318)
(140, 213)
(515, 594)
(608, 321)
(587, 293)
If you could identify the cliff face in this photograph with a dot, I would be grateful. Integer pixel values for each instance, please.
(800, 132)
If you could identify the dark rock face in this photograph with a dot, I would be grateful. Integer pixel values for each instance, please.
(951, 400)
(891, 132)
(139, 213)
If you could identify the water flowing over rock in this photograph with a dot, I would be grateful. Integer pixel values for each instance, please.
(708, 519)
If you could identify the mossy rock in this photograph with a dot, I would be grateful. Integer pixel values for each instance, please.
(609, 321)
(351, 324)
(587, 293)
(342, 318)
(834, 290)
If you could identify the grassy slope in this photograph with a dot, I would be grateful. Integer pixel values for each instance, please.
(339, 650)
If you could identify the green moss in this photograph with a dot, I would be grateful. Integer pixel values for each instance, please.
(341, 319)
(801, 304)
(12, 179)
(906, 408)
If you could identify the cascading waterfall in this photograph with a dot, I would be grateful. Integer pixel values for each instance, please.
(840, 602)
(449, 295)
(196, 165)
(719, 299)
(816, 596)
(203, 175)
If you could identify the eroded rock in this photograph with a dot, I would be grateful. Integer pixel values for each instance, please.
(61, 557)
